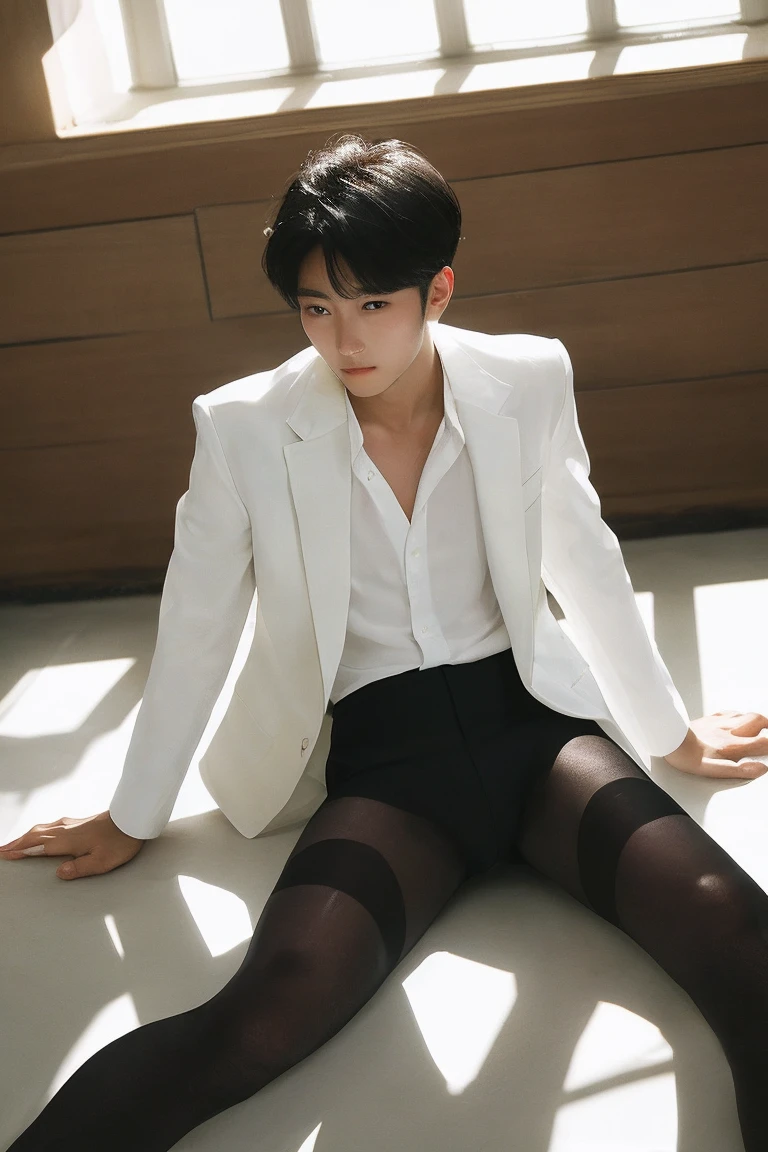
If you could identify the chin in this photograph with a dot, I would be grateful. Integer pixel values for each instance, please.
(361, 392)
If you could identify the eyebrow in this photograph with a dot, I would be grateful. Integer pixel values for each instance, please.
(325, 296)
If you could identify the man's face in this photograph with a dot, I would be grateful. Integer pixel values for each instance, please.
(384, 333)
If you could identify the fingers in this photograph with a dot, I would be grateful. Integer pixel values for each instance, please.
(31, 850)
(731, 769)
(17, 843)
(31, 839)
(751, 769)
(90, 863)
(749, 725)
(96, 844)
(41, 840)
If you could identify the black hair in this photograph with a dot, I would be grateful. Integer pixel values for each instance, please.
(378, 205)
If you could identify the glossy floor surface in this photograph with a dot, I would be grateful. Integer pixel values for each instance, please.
(519, 1021)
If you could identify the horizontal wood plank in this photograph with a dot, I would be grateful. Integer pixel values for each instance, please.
(89, 507)
(609, 221)
(125, 387)
(103, 279)
(639, 442)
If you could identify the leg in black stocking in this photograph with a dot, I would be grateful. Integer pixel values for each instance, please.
(601, 828)
(362, 884)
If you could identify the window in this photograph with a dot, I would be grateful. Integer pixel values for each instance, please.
(165, 61)
(226, 38)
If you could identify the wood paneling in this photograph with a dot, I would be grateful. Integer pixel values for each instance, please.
(639, 443)
(232, 242)
(104, 279)
(161, 172)
(594, 222)
(88, 508)
(603, 221)
(119, 388)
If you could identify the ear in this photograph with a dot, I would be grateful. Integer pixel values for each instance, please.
(440, 293)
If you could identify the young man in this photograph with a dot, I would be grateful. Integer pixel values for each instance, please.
(400, 495)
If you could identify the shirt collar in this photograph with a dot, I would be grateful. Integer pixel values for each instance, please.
(451, 419)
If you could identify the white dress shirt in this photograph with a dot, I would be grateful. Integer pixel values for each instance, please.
(421, 592)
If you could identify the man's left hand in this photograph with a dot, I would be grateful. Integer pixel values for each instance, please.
(716, 743)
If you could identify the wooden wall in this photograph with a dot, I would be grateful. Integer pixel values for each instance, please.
(626, 216)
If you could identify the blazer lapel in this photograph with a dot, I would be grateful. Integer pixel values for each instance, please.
(320, 476)
(493, 445)
(494, 449)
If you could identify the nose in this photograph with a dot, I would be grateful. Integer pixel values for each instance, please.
(347, 343)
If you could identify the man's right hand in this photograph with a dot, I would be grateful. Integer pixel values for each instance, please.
(96, 843)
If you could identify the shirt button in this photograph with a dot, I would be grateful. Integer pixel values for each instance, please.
(416, 552)
(371, 475)
(305, 743)
(425, 628)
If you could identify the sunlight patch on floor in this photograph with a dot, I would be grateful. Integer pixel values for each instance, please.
(59, 698)
(309, 1143)
(614, 1041)
(460, 1007)
(732, 640)
(221, 917)
(114, 935)
(640, 1117)
(623, 1088)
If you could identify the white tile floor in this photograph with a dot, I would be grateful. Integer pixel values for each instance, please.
(519, 1021)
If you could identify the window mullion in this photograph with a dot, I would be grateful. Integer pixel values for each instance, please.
(603, 23)
(753, 11)
(300, 35)
(149, 44)
(452, 28)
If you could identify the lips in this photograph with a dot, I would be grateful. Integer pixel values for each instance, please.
(353, 370)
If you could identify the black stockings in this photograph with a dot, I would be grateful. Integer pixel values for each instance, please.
(599, 827)
(363, 883)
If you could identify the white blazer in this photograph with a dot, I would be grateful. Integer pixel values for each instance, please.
(266, 519)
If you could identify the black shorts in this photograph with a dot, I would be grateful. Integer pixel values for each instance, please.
(459, 744)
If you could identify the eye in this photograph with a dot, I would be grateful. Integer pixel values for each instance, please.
(378, 304)
(311, 307)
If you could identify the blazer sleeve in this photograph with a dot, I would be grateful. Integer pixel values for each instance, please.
(208, 589)
(583, 566)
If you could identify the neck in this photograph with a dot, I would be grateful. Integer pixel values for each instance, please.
(412, 400)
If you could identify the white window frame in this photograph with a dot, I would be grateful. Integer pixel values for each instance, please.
(152, 66)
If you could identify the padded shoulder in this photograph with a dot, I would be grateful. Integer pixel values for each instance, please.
(251, 389)
(499, 349)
